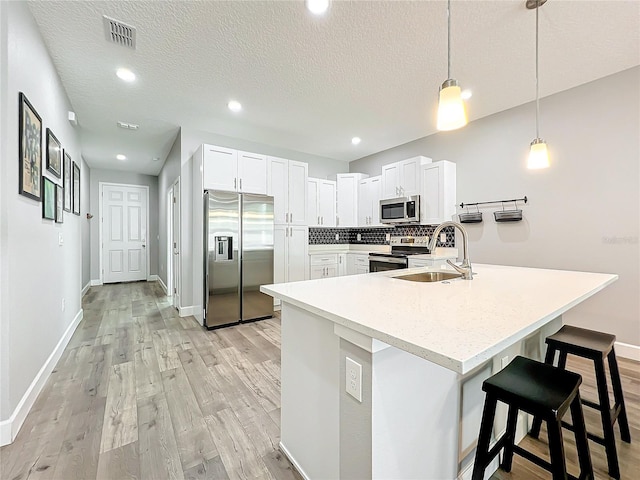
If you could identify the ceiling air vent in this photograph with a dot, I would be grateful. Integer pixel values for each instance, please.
(119, 33)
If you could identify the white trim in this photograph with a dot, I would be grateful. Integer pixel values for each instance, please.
(9, 428)
(101, 186)
(295, 464)
(152, 278)
(626, 350)
(164, 287)
(96, 283)
(85, 289)
(187, 311)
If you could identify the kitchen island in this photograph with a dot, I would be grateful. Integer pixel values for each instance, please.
(424, 350)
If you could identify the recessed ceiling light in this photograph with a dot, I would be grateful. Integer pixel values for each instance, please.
(234, 106)
(356, 140)
(121, 157)
(317, 7)
(466, 94)
(125, 74)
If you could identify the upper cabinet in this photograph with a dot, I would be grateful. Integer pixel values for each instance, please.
(234, 171)
(438, 196)
(287, 184)
(401, 179)
(369, 195)
(347, 198)
(321, 203)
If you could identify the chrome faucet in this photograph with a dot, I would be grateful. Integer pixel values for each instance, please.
(465, 267)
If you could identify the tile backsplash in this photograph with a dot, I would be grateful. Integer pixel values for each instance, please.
(374, 236)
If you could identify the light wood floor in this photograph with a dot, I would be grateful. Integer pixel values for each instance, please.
(140, 393)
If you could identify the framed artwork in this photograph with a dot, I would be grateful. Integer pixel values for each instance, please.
(30, 150)
(76, 189)
(66, 182)
(59, 204)
(54, 154)
(48, 199)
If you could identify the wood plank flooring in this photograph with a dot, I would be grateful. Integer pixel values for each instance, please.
(140, 393)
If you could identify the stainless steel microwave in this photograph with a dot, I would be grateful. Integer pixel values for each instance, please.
(400, 210)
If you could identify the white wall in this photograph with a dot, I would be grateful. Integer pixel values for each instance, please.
(583, 212)
(128, 178)
(36, 273)
(166, 178)
(85, 185)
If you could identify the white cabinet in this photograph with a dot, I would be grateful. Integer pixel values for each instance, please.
(357, 263)
(347, 198)
(290, 253)
(287, 184)
(426, 262)
(369, 195)
(342, 264)
(438, 195)
(229, 170)
(323, 266)
(321, 203)
(402, 178)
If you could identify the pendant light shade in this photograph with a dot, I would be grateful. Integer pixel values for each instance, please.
(538, 153)
(451, 110)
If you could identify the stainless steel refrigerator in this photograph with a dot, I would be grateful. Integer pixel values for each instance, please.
(238, 257)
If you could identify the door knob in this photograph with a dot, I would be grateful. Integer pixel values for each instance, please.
(144, 246)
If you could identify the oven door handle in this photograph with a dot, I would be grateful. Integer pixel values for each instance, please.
(399, 261)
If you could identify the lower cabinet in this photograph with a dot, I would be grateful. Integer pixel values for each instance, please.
(357, 263)
(424, 262)
(290, 249)
(323, 266)
(342, 264)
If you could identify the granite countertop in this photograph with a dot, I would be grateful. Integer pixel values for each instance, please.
(457, 325)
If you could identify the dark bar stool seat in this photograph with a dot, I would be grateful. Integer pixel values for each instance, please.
(595, 346)
(541, 390)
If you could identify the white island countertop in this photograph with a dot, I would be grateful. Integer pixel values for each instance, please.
(457, 325)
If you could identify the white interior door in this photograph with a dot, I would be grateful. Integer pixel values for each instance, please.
(175, 242)
(124, 233)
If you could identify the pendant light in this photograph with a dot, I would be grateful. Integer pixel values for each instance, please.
(451, 112)
(538, 154)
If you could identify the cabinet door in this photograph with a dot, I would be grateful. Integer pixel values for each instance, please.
(220, 169)
(375, 195)
(298, 253)
(252, 173)
(342, 264)
(351, 264)
(278, 187)
(390, 181)
(313, 199)
(409, 176)
(280, 243)
(346, 200)
(364, 202)
(361, 269)
(298, 208)
(431, 208)
(327, 203)
(316, 272)
(332, 271)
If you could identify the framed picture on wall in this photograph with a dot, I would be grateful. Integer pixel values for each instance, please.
(66, 182)
(48, 199)
(59, 204)
(54, 154)
(30, 150)
(76, 189)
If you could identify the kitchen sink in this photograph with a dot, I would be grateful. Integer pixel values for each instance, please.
(429, 276)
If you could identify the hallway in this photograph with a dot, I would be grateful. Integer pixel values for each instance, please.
(142, 393)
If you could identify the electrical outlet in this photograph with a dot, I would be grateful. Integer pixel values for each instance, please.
(388, 237)
(60, 239)
(337, 237)
(353, 379)
(359, 237)
(63, 304)
(504, 361)
(443, 237)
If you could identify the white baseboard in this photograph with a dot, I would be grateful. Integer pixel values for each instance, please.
(86, 288)
(287, 454)
(9, 428)
(164, 287)
(152, 278)
(626, 350)
(186, 311)
(96, 283)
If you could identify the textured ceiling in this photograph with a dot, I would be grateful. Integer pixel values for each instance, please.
(370, 69)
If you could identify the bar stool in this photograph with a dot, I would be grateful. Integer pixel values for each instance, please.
(541, 390)
(595, 346)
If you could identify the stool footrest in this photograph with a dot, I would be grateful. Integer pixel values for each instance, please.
(541, 462)
(591, 404)
(590, 436)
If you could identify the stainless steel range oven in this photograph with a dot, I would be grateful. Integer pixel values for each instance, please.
(401, 249)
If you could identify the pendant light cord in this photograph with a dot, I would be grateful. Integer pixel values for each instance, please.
(537, 79)
(448, 38)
